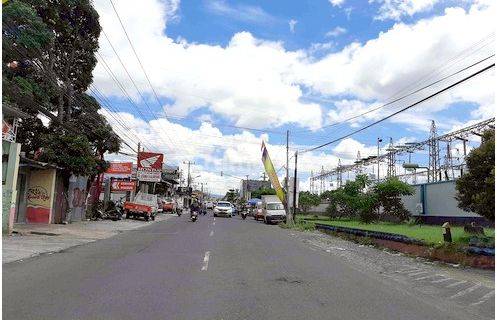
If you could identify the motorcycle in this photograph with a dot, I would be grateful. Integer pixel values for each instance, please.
(179, 212)
(244, 214)
(194, 216)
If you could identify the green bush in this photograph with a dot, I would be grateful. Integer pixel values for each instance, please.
(388, 195)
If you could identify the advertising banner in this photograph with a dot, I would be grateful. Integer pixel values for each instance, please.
(123, 186)
(120, 168)
(273, 177)
(149, 167)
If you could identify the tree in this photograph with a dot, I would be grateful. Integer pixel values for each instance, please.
(231, 196)
(308, 200)
(475, 189)
(53, 44)
(388, 195)
(262, 192)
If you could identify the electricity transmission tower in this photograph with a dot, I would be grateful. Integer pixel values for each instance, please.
(391, 159)
(434, 154)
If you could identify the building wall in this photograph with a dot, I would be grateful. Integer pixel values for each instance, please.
(436, 203)
(10, 170)
(40, 196)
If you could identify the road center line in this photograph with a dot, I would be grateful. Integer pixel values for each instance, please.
(214, 219)
(214, 223)
(212, 232)
(206, 261)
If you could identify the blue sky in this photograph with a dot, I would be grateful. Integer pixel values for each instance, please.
(285, 65)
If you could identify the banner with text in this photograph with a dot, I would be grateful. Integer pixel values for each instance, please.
(149, 167)
(273, 177)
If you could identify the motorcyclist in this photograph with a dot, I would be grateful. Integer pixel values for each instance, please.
(194, 207)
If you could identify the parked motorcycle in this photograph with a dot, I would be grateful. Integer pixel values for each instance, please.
(244, 214)
(179, 212)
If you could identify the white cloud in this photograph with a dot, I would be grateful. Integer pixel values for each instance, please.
(336, 32)
(337, 3)
(384, 67)
(396, 9)
(292, 23)
(246, 13)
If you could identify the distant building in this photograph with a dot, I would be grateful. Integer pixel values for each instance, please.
(252, 185)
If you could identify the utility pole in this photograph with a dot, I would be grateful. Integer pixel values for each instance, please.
(287, 176)
(189, 177)
(264, 177)
(246, 187)
(378, 157)
(295, 188)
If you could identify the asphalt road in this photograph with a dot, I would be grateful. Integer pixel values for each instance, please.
(214, 269)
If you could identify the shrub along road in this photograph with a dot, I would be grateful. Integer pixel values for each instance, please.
(232, 269)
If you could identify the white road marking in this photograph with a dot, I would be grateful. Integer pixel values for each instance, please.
(214, 223)
(214, 219)
(416, 273)
(407, 270)
(441, 280)
(484, 298)
(212, 232)
(206, 261)
(456, 284)
(465, 291)
(422, 278)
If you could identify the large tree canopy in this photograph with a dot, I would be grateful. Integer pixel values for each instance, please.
(48, 57)
(475, 189)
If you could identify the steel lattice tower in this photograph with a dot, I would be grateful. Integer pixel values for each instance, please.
(391, 159)
(434, 154)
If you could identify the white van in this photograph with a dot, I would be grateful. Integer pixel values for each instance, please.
(273, 210)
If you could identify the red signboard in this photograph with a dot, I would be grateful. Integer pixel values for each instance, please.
(120, 168)
(137, 207)
(150, 161)
(149, 166)
(123, 185)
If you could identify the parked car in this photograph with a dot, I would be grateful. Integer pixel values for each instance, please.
(169, 205)
(223, 208)
(273, 210)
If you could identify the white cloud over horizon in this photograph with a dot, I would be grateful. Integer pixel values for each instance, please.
(259, 83)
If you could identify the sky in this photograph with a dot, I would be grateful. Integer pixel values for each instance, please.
(215, 78)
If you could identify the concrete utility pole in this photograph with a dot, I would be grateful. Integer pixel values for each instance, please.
(378, 157)
(264, 177)
(295, 188)
(189, 177)
(247, 187)
(287, 177)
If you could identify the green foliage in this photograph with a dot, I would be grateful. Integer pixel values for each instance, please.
(476, 188)
(262, 192)
(77, 153)
(388, 195)
(308, 200)
(54, 44)
(23, 33)
(231, 196)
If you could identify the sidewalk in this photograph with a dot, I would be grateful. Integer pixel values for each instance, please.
(32, 239)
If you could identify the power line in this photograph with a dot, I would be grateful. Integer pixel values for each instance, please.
(403, 109)
(406, 95)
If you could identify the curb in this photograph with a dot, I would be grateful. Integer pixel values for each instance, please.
(396, 237)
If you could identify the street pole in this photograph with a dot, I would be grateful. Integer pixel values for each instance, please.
(378, 157)
(295, 188)
(287, 201)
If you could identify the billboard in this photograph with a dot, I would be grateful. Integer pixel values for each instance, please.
(149, 167)
(273, 177)
(119, 168)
